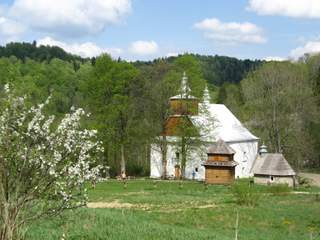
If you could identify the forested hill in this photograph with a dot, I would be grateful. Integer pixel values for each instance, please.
(128, 101)
(216, 69)
(41, 53)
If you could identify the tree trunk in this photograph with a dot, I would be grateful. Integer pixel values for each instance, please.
(8, 224)
(147, 155)
(7, 230)
(164, 157)
(123, 161)
(183, 157)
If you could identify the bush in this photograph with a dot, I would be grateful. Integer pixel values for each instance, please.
(245, 194)
(304, 181)
(113, 171)
(135, 170)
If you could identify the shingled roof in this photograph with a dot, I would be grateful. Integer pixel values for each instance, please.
(220, 147)
(220, 163)
(272, 164)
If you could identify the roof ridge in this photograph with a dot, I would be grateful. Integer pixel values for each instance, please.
(221, 147)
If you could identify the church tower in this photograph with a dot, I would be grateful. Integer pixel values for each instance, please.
(184, 103)
(181, 106)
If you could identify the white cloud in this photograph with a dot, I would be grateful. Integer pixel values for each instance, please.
(9, 30)
(311, 47)
(70, 18)
(144, 48)
(87, 49)
(230, 32)
(291, 8)
(172, 54)
(275, 58)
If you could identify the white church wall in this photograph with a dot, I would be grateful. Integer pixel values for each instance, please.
(246, 152)
(171, 161)
(194, 165)
(155, 162)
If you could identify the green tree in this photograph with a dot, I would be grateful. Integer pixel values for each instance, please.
(108, 89)
(313, 64)
(280, 99)
(159, 90)
(231, 95)
(188, 137)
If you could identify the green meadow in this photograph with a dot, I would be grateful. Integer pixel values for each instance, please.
(146, 209)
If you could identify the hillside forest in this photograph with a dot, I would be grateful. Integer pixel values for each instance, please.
(128, 101)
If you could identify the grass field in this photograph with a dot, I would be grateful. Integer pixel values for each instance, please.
(148, 209)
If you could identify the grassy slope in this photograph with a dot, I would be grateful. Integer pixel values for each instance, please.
(166, 210)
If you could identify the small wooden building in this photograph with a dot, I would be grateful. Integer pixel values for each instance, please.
(272, 168)
(220, 166)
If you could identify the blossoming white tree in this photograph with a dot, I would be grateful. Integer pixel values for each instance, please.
(43, 163)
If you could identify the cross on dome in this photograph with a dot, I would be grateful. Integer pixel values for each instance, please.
(184, 91)
(184, 88)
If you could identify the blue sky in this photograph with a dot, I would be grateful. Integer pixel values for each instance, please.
(145, 29)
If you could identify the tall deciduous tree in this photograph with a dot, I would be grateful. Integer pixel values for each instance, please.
(108, 89)
(160, 90)
(313, 64)
(188, 137)
(280, 98)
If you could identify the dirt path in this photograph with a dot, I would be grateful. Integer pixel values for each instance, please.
(160, 208)
(117, 204)
(315, 178)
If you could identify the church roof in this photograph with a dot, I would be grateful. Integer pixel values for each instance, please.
(272, 164)
(221, 124)
(183, 96)
(220, 147)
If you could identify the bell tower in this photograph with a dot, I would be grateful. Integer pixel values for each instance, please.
(184, 103)
(181, 106)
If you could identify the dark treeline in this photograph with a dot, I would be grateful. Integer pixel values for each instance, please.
(25, 50)
(128, 102)
(217, 70)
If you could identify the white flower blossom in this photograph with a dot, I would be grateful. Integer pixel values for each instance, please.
(56, 158)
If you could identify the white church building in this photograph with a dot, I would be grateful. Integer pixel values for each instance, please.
(217, 122)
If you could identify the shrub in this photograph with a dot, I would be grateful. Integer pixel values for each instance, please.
(113, 171)
(245, 194)
(45, 163)
(135, 170)
(304, 181)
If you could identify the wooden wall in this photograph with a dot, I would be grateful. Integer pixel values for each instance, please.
(220, 157)
(172, 125)
(184, 106)
(219, 175)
